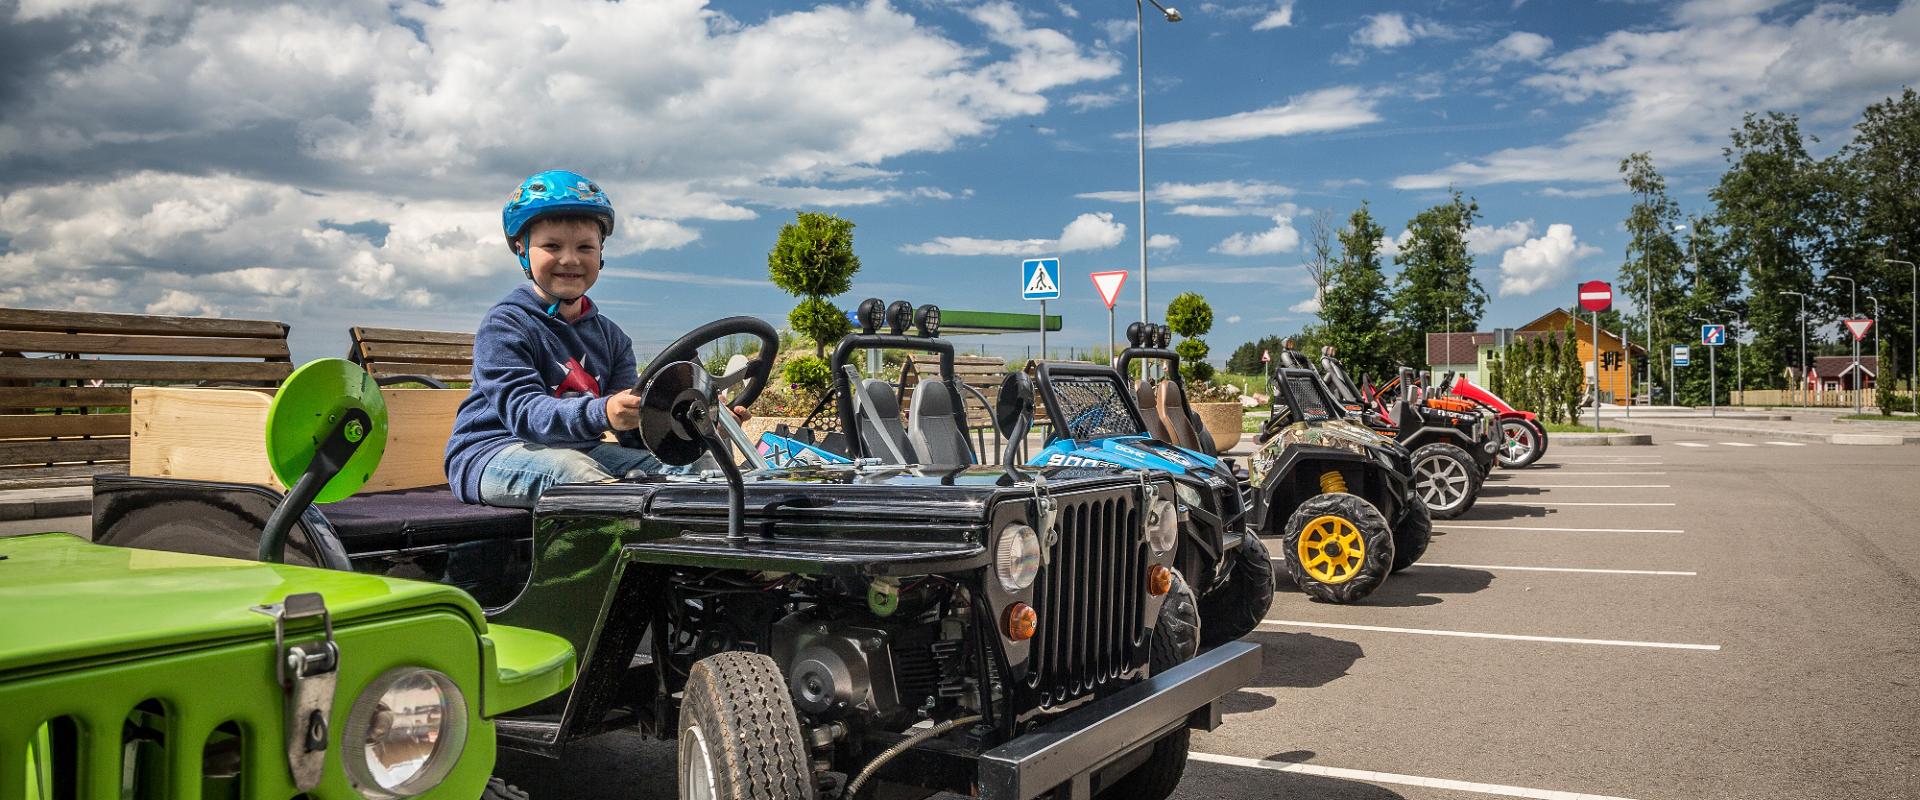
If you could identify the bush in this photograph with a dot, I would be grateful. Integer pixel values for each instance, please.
(820, 321)
(808, 373)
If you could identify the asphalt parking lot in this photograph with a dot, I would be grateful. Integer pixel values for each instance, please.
(1733, 620)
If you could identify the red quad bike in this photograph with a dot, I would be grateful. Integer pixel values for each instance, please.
(1452, 450)
(1523, 440)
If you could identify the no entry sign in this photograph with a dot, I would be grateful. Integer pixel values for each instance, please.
(1596, 296)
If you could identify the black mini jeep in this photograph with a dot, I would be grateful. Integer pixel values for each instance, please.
(829, 631)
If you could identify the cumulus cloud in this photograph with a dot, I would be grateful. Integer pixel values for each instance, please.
(1390, 245)
(1281, 17)
(1542, 262)
(1162, 241)
(1233, 320)
(1193, 273)
(1334, 109)
(1231, 191)
(1093, 231)
(1280, 238)
(1676, 92)
(1088, 101)
(1482, 240)
(1517, 46)
(1388, 31)
(1310, 305)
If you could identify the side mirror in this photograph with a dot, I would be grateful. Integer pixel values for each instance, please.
(1013, 415)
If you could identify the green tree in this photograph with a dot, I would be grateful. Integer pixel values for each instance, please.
(1496, 375)
(1881, 167)
(813, 259)
(1246, 358)
(1573, 373)
(1655, 261)
(1770, 201)
(1354, 305)
(1191, 317)
(1436, 281)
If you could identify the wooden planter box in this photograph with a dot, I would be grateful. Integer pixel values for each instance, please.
(220, 435)
(1222, 421)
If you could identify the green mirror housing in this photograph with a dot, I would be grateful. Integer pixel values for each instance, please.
(326, 431)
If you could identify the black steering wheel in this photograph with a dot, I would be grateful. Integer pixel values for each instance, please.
(687, 348)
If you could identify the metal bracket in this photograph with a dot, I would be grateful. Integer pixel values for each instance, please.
(308, 673)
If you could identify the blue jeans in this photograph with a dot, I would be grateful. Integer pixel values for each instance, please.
(516, 476)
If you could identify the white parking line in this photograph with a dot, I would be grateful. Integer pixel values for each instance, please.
(1552, 503)
(1789, 444)
(1565, 569)
(1514, 637)
(1589, 485)
(1370, 776)
(1739, 444)
(1557, 473)
(1451, 526)
(1692, 444)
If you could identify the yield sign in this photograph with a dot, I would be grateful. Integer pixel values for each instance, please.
(1859, 327)
(1109, 284)
(1266, 356)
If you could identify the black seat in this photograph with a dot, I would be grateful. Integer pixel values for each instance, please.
(936, 430)
(1337, 380)
(876, 415)
(426, 516)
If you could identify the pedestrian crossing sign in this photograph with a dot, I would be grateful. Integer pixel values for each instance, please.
(1040, 279)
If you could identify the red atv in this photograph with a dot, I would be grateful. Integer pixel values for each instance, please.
(1523, 440)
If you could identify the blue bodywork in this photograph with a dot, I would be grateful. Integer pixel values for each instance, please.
(784, 451)
(1132, 452)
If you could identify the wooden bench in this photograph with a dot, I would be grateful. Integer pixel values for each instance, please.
(67, 377)
(399, 355)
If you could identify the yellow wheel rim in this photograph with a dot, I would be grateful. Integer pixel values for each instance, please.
(1331, 549)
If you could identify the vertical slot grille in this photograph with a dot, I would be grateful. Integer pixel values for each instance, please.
(1092, 597)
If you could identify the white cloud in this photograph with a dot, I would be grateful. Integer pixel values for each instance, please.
(1233, 191)
(1390, 245)
(1093, 231)
(1708, 10)
(688, 278)
(1197, 210)
(1281, 238)
(1482, 240)
(1319, 111)
(1310, 305)
(1233, 320)
(638, 234)
(1539, 263)
(1088, 101)
(1281, 17)
(1236, 275)
(1384, 31)
(1517, 46)
(1067, 10)
(1162, 241)
(1677, 92)
(174, 302)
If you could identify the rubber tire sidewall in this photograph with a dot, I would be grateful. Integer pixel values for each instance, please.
(1470, 469)
(1176, 638)
(1412, 535)
(1540, 431)
(1377, 535)
(1539, 444)
(1236, 609)
(745, 712)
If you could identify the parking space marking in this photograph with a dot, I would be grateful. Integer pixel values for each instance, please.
(1512, 637)
(1370, 776)
(1566, 569)
(1557, 473)
(1739, 444)
(1451, 526)
(1553, 503)
(1789, 444)
(1692, 444)
(1589, 485)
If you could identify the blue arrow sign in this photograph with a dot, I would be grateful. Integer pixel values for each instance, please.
(1713, 335)
(1040, 279)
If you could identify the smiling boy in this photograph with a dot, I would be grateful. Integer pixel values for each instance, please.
(550, 373)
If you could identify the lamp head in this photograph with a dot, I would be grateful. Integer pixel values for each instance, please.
(1173, 14)
(927, 320)
(872, 313)
(899, 316)
(1136, 333)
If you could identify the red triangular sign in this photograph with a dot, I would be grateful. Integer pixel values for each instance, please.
(1858, 326)
(1109, 284)
(1266, 356)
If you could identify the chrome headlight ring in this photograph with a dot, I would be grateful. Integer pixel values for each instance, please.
(1017, 556)
(404, 733)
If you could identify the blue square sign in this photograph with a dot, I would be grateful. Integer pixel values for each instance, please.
(1040, 279)
(1713, 335)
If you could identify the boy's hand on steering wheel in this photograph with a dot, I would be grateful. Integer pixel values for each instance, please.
(623, 411)
(742, 414)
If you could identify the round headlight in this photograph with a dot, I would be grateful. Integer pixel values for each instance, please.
(404, 733)
(1017, 557)
(1163, 525)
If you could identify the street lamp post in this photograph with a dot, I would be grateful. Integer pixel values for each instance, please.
(1713, 377)
(1853, 312)
(1739, 364)
(1803, 342)
(1913, 330)
(1140, 95)
(1876, 337)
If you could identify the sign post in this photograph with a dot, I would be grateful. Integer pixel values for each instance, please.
(1713, 336)
(1108, 285)
(1859, 328)
(1040, 280)
(1596, 296)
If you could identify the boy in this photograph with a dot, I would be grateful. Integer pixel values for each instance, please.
(550, 373)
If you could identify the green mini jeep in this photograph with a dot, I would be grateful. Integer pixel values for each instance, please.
(146, 674)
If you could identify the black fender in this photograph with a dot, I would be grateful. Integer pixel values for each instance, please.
(227, 519)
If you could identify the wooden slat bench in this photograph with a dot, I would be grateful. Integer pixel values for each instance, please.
(67, 377)
(397, 355)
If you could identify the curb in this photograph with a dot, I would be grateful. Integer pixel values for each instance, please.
(1600, 439)
(27, 504)
(1791, 436)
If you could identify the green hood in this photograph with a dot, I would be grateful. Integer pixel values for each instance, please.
(64, 600)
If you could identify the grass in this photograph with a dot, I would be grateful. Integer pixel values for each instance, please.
(1253, 420)
(1883, 418)
(1561, 427)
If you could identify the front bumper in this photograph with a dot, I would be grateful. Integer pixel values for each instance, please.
(1068, 752)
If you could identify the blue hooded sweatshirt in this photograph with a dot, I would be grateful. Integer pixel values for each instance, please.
(537, 379)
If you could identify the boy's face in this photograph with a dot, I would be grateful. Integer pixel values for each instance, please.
(564, 256)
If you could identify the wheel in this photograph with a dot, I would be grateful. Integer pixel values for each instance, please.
(739, 735)
(1521, 443)
(1445, 479)
(1411, 536)
(1176, 638)
(1541, 432)
(1337, 547)
(501, 790)
(1234, 610)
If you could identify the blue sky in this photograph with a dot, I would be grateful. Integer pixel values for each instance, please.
(344, 164)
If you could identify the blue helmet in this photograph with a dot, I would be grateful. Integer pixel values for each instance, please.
(555, 191)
